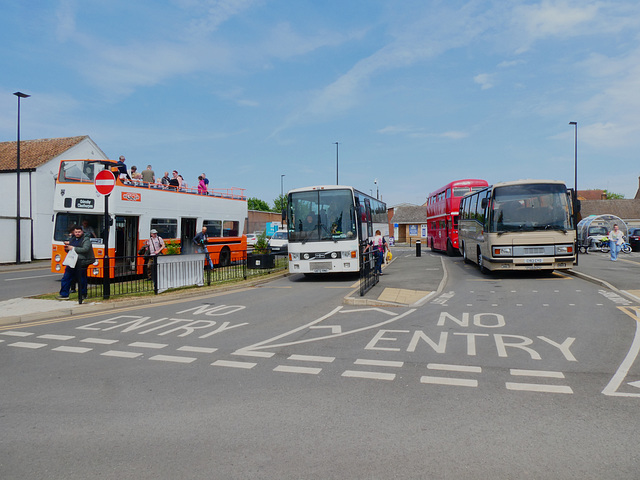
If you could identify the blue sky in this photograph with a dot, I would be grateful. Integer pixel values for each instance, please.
(417, 93)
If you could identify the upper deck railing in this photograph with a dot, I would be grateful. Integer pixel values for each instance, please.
(83, 171)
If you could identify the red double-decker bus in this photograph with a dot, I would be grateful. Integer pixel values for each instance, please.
(442, 213)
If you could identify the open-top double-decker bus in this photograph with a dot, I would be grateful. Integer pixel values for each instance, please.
(135, 208)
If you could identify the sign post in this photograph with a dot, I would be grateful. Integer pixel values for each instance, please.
(105, 182)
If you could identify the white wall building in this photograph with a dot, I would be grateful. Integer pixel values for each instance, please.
(39, 162)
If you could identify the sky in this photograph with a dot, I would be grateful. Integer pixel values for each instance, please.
(415, 93)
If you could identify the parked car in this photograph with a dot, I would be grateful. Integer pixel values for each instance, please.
(634, 239)
(252, 238)
(279, 242)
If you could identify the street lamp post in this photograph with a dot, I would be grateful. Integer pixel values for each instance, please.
(377, 189)
(336, 163)
(575, 159)
(20, 95)
(282, 209)
(575, 183)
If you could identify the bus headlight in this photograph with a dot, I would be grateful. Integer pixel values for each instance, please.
(564, 249)
(58, 268)
(57, 258)
(502, 251)
(349, 254)
(305, 256)
(294, 257)
(334, 255)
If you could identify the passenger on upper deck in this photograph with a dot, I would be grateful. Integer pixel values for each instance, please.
(135, 175)
(165, 180)
(122, 169)
(174, 183)
(202, 187)
(148, 175)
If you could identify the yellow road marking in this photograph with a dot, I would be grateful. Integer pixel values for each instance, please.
(633, 311)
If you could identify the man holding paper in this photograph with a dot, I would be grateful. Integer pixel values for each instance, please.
(79, 257)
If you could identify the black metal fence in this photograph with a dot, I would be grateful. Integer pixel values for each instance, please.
(368, 274)
(139, 275)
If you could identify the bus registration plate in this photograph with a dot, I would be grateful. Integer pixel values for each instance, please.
(533, 260)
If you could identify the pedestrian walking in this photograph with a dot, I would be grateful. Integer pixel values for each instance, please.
(616, 239)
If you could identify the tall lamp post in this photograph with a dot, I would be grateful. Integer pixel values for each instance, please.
(336, 143)
(575, 182)
(282, 209)
(575, 159)
(20, 95)
(377, 189)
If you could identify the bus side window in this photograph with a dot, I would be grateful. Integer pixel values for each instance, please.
(214, 227)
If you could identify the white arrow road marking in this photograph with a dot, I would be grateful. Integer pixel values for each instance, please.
(267, 343)
(635, 384)
(612, 388)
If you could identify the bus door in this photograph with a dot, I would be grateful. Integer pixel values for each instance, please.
(447, 231)
(187, 233)
(126, 236)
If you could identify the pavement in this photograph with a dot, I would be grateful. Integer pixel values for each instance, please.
(408, 280)
(412, 280)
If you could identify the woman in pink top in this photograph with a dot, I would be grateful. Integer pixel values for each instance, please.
(202, 187)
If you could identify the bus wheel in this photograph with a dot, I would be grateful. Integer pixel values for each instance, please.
(450, 251)
(224, 260)
(483, 269)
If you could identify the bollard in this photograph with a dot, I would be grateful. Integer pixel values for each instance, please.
(418, 250)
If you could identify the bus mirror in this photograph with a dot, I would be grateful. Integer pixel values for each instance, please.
(484, 203)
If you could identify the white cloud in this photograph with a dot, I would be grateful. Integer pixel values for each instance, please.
(571, 18)
(485, 80)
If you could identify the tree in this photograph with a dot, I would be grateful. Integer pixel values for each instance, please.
(613, 196)
(280, 203)
(257, 204)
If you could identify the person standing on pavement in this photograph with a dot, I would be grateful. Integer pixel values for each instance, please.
(616, 239)
(155, 245)
(379, 247)
(201, 240)
(81, 243)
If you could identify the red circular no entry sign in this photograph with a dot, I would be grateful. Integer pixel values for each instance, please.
(104, 182)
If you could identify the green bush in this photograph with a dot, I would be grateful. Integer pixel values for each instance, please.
(261, 246)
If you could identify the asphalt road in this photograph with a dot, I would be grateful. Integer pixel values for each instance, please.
(15, 283)
(502, 377)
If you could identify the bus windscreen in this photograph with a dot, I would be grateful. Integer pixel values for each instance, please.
(321, 215)
(530, 207)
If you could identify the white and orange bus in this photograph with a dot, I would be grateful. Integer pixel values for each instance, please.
(442, 214)
(136, 208)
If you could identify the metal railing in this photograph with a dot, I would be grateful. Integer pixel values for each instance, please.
(135, 276)
(368, 274)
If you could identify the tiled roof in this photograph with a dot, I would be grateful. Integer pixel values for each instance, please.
(34, 153)
(626, 209)
(410, 214)
(591, 194)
